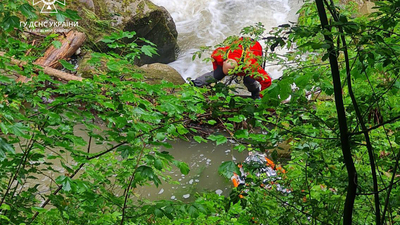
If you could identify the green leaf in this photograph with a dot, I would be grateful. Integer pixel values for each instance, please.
(109, 104)
(168, 212)
(181, 129)
(158, 213)
(5, 79)
(65, 182)
(183, 167)
(5, 218)
(273, 91)
(66, 185)
(211, 122)
(60, 17)
(56, 44)
(227, 169)
(115, 65)
(232, 103)
(72, 14)
(326, 46)
(28, 11)
(193, 212)
(219, 139)
(10, 22)
(284, 90)
(2, 155)
(240, 148)
(125, 150)
(165, 155)
(302, 80)
(149, 50)
(242, 134)
(118, 36)
(5, 207)
(39, 209)
(160, 136)
(5, 147)
(250, 110)
(200, 207)
(4, 128)
(147, 172)
(19, 130)
(325, 57)
(158, 164)
(67, 65)
(67, 167)
(199, 139)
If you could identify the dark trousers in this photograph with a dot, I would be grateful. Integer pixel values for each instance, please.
(217, 75)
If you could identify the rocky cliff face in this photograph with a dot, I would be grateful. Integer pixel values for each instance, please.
(148, 20)
(157, 26)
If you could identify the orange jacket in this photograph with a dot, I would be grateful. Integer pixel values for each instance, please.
(249, 58)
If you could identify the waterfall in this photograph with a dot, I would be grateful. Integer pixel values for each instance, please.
(209, 22)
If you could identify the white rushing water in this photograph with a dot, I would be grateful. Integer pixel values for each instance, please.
(209, 22)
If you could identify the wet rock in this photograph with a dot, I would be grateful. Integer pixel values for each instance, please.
(149, 21)
(156, 72)
(152, 73)
(88, 3)
(367, 8)
(86, 70)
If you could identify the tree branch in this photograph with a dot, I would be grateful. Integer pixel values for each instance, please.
(344, 137)
(93, 157)
(376, 126)
(47, 70)
(359, 117)
(130, 184)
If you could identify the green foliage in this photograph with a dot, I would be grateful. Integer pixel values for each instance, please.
(117, 41)
(46, 122)
(227, 169)
(316, 172)
(4, 148)
(120, 112)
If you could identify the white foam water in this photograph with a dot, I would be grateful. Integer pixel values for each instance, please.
(209, 22)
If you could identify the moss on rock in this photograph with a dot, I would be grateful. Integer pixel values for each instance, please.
(148, 20)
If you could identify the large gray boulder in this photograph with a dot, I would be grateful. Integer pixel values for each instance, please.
(148, 20)
(153, 73)
(156, 72)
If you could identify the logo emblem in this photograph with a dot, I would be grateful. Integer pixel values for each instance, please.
(49, 5)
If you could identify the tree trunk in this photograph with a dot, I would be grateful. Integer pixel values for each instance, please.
(344, 134)
(69, 45)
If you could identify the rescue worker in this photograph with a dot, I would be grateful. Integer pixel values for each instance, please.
(242, 58)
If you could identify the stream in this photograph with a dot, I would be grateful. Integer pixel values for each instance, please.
(200, 23)
(203, 160)
(209, 22)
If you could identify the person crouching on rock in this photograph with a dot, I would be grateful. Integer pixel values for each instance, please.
(242, 58)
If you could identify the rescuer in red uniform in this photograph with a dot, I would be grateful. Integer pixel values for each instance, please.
(242, 58)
